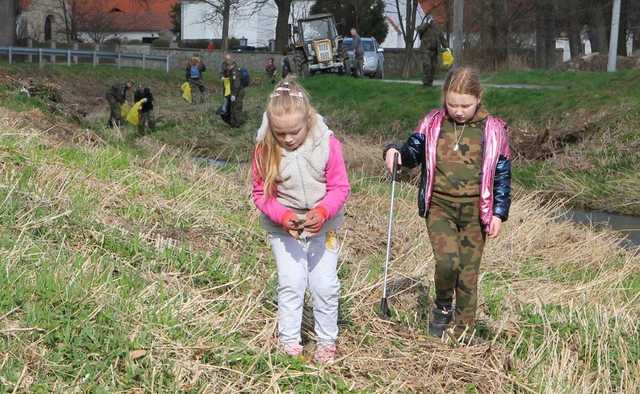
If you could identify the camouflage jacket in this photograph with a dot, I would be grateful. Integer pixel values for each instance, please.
(495, 182)
(431, 39)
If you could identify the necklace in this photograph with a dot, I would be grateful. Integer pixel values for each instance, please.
(458, 138)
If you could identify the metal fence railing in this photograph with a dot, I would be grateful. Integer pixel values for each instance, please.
(73, 56)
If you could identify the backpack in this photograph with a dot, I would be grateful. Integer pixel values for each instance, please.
(245, 78)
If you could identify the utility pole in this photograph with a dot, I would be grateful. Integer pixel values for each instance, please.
(458, 29)
(613, 41)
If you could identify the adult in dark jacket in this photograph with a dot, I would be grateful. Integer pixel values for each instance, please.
(358, 53)
(286, 63)
(193, 75)
(116, 96)
(235, 116)
(147, 121)
(431, 41)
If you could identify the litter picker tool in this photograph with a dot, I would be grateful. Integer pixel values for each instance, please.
(385, 312)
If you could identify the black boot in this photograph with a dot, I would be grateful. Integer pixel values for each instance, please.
(441, 317)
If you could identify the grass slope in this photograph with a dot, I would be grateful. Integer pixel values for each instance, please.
(583, 127)
(127, 265)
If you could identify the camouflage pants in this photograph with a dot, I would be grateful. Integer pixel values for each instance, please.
(429, 65)
(457, 238)
(147, 122)
(115, 117)
(236, 117)
(198, 84)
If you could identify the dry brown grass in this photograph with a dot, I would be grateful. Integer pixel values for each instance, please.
(566, 321)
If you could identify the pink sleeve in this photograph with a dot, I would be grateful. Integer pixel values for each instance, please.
(267, 205)
(337, 180)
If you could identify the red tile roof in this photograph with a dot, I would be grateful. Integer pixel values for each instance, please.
(134, 15)
(131, 15)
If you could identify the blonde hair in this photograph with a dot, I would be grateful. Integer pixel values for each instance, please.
(462, 80)
(287, 97)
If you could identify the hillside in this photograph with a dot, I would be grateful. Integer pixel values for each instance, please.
(576, 139)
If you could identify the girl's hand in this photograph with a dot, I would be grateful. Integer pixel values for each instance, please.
(494, 227)
(389, 159)
(314, 219)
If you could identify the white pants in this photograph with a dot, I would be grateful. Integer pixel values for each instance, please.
(307, 263)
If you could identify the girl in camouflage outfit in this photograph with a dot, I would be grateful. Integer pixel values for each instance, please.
(465, 192)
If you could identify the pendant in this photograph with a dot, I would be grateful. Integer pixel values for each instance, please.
(456, 147)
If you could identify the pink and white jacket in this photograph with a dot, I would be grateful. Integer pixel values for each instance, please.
(495, 182)
(314, 175)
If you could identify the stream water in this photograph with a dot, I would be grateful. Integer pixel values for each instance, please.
(627, 226)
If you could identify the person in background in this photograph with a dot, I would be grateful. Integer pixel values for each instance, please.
(432, 41)
(147, 121)
(116, 96)
(235, 116)
(193, 74)
(286, 63)
(270, 70)
(358, 52)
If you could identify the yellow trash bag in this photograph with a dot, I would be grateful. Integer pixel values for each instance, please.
(134, 114)
(447, 58)
(227, 86)
(186, 92)
(124, 109)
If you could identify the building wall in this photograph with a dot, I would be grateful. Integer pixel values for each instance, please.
(8, 25)
(31, 22)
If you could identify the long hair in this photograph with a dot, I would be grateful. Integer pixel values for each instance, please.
(463, 80)
(288, 97)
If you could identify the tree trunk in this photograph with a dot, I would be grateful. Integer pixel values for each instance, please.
(458, 33)
(282, 25)
(487, 45)
(573, 31)
(226, 15)
(601, 20)
(539, 35)
(549, 35)
(410, 29)
(500, 33)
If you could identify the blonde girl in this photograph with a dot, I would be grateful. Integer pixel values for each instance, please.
(300, 185)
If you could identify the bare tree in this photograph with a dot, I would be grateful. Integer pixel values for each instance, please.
(96, 20)
(220, 11)
(407, 12)
(282, 25)
(69, 12)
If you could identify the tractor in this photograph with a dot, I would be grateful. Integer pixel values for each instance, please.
(316, 45)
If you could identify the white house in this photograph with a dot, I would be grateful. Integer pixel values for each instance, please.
(258, 27)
